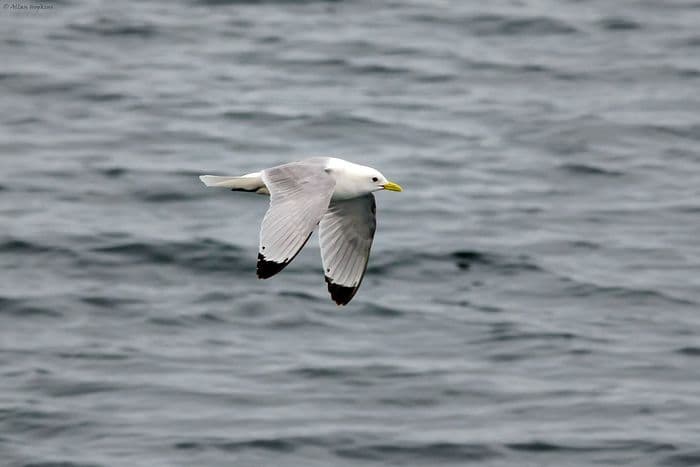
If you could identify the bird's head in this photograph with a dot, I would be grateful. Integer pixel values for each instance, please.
(373, 180)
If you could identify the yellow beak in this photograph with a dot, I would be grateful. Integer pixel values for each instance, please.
(391, 186)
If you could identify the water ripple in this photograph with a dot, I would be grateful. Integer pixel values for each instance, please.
(433, 452)
(110, 26)
(204, 255)
(531, 297)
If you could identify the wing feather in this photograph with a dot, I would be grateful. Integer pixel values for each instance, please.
(299, 196)
(346, 232)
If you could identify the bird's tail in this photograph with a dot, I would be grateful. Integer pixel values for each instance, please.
(249, 182)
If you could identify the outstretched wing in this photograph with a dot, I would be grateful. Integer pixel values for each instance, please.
(299, 196)
(345, 233)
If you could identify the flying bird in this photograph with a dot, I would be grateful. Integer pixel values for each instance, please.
(329, 192)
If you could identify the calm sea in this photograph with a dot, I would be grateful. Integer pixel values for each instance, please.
(533, 296)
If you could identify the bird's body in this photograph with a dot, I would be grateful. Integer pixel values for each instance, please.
(326, 191)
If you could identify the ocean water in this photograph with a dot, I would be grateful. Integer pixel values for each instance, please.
(532, 298)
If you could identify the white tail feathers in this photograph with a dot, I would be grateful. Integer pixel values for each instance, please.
(224, 182)
(248, 182)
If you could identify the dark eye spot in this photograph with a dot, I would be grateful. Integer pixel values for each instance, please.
(374, 179)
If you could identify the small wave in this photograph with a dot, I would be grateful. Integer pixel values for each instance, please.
(103, 96)
(517, 26)
(376, 68)
(360, 68)
(333, 119)
(493, 24)
(17, 418)
(349, 448)
(433, 452)
(296, 322)
(108, 26)
(542, 446)
(166, 321)
(97, 356)
(691, 131)
(464, 259)
(23, 247)
(186, 320)
(25, 309)
(509, 67)
(360, 374)
(214, 297)
(432, 79)
(204, 255)
(500, 25)
(317, 62)
(584, 289)
(270, 39)
(409, 401)
(689, 351)
(586, 169)
(473, 256)
(584, 244)
(37, 84)
(11, 76)
(518, 336)
(28, 121)
(58, 464)
(686, 72)
(113, 172)
(507, 357)
(277, 445)
(685, 459)
(613, 445)
(373, 309)
(619, 24)
(210, 318)
(102, 301)
(331, 123)
(162, 253)
(299, 294)
(384, 265)
(318, 372)
(76, 389)
(259, 116)
(519, 69)
(692, 42)
(469, 304)
(154, 196)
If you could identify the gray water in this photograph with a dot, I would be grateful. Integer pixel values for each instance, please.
(533, 295)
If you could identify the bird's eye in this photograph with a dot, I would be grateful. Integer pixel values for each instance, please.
(374, 179)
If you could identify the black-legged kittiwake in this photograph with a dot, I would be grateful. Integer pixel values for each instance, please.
(332, 193)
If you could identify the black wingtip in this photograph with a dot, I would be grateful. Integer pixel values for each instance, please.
(266, 269)
(340, 294)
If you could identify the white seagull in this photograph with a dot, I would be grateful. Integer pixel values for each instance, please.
(332, 193)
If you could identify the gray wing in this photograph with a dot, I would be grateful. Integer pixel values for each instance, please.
(346, 234)
(299, 196)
